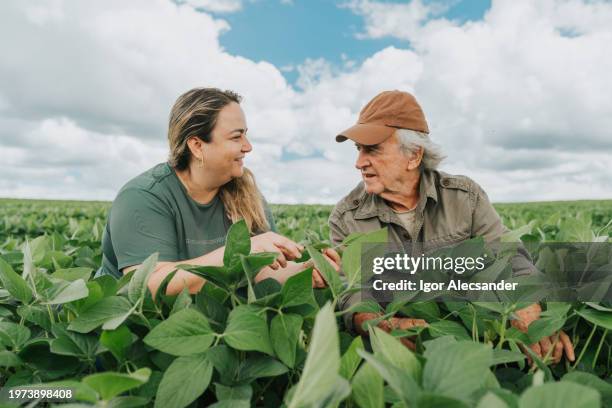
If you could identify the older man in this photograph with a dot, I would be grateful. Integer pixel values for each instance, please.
(421, 206)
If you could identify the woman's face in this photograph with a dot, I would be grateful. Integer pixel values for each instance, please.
(224, 155)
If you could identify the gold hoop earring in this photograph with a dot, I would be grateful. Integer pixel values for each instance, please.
(201, 163)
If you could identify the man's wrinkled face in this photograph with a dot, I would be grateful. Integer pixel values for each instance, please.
(383, 166)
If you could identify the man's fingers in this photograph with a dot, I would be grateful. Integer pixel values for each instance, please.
(317, 280)
(567, 345)
(408, 343)
(524, 350)
(417, 322)
(545, 345)
(332, 263)
(333, 254)
(558, 351)
(535, 347)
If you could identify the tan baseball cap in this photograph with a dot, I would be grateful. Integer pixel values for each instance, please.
(388, 111)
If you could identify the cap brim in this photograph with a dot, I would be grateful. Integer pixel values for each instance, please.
(366, 134)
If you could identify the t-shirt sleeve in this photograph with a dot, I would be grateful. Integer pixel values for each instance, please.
(141, 224)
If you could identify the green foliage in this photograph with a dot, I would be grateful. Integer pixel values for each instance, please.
(240, 343)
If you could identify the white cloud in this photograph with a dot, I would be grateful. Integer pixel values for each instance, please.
(216, 6)
(520, 101)
(400, 20)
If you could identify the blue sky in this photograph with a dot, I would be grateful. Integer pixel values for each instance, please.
(286, 34)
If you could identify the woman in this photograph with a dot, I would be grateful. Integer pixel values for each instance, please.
(183, 208)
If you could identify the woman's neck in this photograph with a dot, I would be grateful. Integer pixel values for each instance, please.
(199, 187)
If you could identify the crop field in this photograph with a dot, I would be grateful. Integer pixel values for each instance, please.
(241, 344)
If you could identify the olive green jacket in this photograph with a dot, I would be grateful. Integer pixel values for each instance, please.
(450, 209)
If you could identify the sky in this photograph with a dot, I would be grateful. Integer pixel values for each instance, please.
(517, 93)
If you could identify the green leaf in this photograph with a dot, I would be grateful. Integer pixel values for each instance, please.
(439, 401)
(252, 264)
(182, 301)
(297, 290)
(247, 329)
(95, 295)
(350, 359)
(137, 287)
(436, 345)
(392, 351)
(117, 341)
(403, 385)
(36, 314)
(323, 361)
(448, 327)
(231, 404)
(239, 392)
(352, 255)
(110, 384)
(14, 283)
(117, 321)
(506, 356)
(327, 271)
(367, 385)
(225, 361)
(184, 333)
(65, 292)
(490, 400)
(284, 333)
(238, 242)
(560, 394)
(111, 286)
(597, 317)
(13, 335)
(592, 381)
(106, 309)
(259, 367)
(73, 344)
(72, 274)
(457, 370)
(9, 359)
(127, 402)
(218, 275)
(545, 326)
(184, 381)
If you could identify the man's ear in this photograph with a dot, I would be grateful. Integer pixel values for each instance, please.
(415, 161)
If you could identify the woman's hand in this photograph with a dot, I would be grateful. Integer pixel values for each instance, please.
(333, 258)
(272, 242)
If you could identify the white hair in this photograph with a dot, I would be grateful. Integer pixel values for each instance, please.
(410, 141)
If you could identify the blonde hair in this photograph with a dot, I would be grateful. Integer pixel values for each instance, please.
(195, 114)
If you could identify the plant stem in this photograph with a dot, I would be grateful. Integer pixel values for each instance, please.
(585, 347)
(601, 342)
(502, 334)
(50, 314)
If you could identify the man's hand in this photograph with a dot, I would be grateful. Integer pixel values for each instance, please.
(334, 260)
(395, 323)
(558, 342)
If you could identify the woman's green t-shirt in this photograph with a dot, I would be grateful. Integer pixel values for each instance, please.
(154, 213)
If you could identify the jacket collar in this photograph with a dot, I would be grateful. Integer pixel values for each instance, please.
(374, 206)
